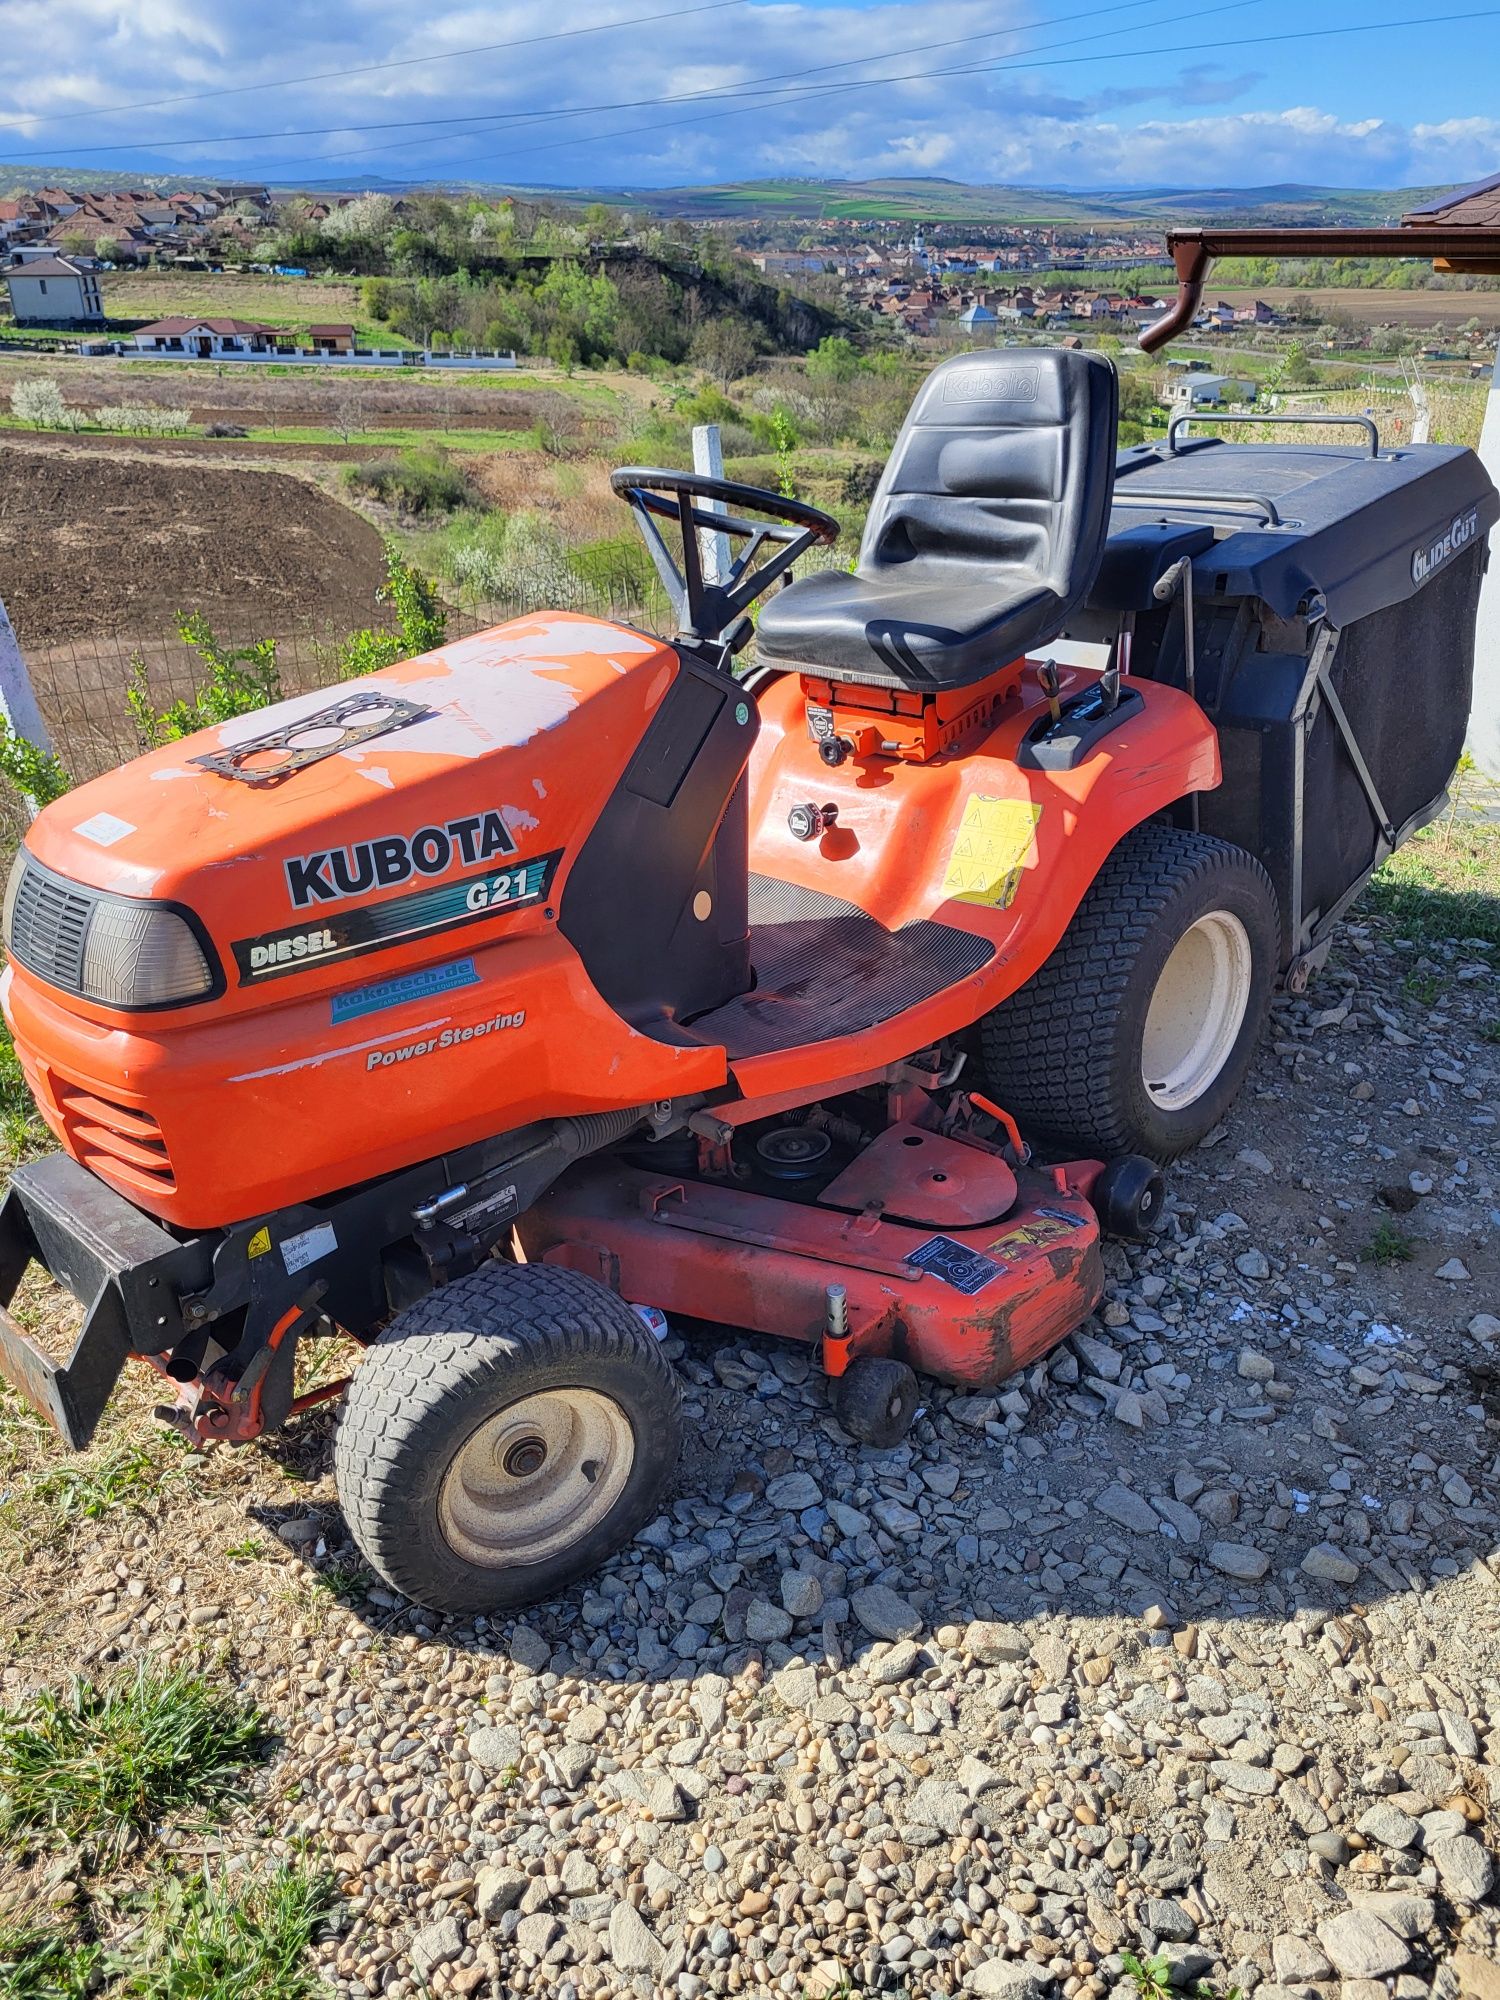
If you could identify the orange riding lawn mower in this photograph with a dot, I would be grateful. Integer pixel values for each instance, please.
(561, 972)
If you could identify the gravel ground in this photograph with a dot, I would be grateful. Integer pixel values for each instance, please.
(1187, 1640)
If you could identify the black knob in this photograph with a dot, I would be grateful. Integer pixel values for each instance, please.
(807, 822)
(833, 750)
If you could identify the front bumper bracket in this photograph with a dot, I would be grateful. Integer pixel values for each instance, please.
(123, 1268)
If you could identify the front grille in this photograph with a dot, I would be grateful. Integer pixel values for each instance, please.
(120, 1143)
(49, 921)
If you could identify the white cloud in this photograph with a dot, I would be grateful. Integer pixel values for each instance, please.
(1198, 123)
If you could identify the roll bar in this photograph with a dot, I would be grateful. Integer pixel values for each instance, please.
(1474, 250)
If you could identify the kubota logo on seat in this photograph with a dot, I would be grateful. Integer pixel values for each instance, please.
(395, 858)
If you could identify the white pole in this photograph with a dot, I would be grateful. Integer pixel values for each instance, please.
(708, 458)
(18, 702)
(1484, 717)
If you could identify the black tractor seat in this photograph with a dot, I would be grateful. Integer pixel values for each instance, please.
(985, 534)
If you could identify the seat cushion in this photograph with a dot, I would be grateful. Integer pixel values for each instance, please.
(919, 631)
(984, 535)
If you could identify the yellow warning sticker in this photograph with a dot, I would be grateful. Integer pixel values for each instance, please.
(259, 1243)
(990, 849)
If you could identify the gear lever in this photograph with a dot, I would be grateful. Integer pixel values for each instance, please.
(1051, 685)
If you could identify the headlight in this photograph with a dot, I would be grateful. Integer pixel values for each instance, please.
(110, 949)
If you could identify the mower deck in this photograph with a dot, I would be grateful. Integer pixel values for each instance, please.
(968, 1302)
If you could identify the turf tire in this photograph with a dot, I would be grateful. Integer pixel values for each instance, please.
(445, 1366)
(1064, 1053)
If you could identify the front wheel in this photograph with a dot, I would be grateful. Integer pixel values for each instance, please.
(1138, 1032)
(503, 1437)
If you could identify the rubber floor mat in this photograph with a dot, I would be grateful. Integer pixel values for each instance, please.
(825, 968)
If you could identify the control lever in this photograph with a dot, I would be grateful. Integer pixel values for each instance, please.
(1051, 685)
(1180, 577)
(1109, 686)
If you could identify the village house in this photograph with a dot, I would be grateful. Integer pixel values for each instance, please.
(332, 339)
(54, 291)
(207, 339)
(1206, 392)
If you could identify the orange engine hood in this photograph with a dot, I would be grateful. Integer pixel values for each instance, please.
(523, 731)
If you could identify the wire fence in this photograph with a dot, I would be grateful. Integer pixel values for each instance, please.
(82, 684)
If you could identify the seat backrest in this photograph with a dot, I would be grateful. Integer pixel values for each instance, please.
(1006, 459)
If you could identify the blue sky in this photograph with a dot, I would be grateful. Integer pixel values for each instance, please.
(1066, 93)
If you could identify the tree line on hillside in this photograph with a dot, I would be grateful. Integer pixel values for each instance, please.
(579, 288)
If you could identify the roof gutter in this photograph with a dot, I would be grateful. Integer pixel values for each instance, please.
(1473, 251)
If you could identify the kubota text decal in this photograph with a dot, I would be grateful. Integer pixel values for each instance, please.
(396, 857)
(341, 934)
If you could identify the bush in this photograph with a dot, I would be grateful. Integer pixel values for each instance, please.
(421, 621)
(38, 401)
(36, 773)
(225, 431)
(425, 481)
(238, 681)
(519, 560)
(618, 568)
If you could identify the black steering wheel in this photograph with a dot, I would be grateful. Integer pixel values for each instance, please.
(712, 610)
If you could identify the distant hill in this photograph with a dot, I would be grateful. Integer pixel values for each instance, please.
(917, 199)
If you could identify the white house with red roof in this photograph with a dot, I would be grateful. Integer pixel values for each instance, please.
(206, 338)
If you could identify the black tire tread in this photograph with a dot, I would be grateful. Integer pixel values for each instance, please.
(427, 1365)
(1046, 1047)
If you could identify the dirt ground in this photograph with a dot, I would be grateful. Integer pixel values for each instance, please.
(253, 396)
(133, 543)
(1372, 308)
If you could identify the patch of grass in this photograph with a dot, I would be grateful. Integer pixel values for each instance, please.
(237, 1937)
(1423, 987)
(45, 1962)
(86, 1489)
(1389, 1245)
(1445, 883)
(21, 1129)
(103, 1763)
(345, 1579)
(1490, 1032)
(251, 1549)
(1152, 1980)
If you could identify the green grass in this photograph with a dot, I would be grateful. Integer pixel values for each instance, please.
(104, 1763)
(86, 1489)
(1422, 987)
(46, 1962)
(1443, 884)
(21, 1130)
(241, 1936)
(237, 1937)
(1389, 1245)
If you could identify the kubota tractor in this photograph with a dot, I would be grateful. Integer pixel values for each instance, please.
(560, 971)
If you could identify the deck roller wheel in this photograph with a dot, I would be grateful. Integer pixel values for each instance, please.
(505, 1436)
(1138, 1032)
(875, 1400)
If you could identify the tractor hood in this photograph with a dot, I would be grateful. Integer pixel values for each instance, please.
(450, 789)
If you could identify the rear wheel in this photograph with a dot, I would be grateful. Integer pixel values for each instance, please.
(503, 1437)
(1137, 1033)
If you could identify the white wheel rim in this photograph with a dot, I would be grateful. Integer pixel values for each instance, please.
(535, 1478)
(1196, 1011)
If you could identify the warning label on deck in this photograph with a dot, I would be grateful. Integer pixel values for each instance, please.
(964, 1269)
(994, 842)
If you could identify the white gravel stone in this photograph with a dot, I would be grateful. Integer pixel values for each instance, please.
(1466, 1870)
(1361, 1946)
(884, 1614)
(1239, 1560)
